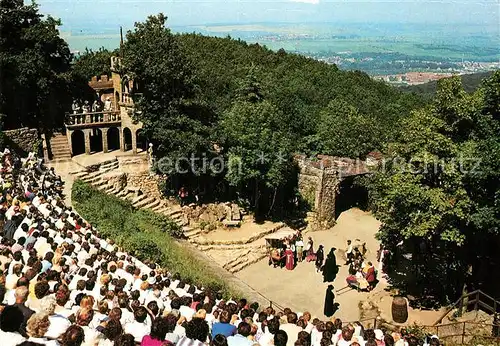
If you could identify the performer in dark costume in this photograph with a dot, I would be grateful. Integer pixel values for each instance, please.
(329, 309)
(330, 268)
(320, 256)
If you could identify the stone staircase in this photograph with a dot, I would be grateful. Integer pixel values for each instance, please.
(235, 255)
(99, 177)
(232, 255)
(59, 147)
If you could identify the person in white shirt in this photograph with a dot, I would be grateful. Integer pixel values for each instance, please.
(127, 315)
(11, 320)
(83, 319)
(138, 328)
(58, 323)
(37, 326)
(185, 309)
(267, 338)
(291, 328)
(349, 252)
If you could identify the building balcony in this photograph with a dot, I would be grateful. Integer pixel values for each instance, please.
(95, 119)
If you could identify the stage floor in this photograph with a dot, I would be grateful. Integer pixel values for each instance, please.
(303, 289)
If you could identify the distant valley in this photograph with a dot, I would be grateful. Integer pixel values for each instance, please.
(387, 51)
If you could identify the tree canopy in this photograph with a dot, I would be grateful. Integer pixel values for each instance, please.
(437, 194)
(177, 122)
(34, 64)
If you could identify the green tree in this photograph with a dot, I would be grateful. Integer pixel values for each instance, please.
(92, 63)
(174, 119)
(259, 151)
(435, 203)
(34, 65)
(343, 131)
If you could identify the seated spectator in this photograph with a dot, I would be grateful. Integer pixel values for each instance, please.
(73, 336)
(21, 295)
(223, 327)
(280, 338)
(219, 340)
(11, 320)
(196, 333)
(291, 328)
(241, 338)
(139, 327)
(37, 326)
(158, 333)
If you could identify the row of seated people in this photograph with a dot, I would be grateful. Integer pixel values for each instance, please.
(63, 284)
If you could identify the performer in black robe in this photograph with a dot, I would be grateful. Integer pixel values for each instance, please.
(329, 309)
(330, 269)
(319, 258)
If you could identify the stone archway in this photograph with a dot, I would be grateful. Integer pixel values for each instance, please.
(127, 139)
(77, 142)
(95, 140)
(141, 140)
(113, 138)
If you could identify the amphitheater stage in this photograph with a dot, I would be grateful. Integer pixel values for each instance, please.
(303, 289)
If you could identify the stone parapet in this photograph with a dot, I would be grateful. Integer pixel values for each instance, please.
(23, 140)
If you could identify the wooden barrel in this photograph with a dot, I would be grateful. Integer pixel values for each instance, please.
(399, 309)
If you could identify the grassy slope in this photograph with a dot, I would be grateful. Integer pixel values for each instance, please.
(144, 234)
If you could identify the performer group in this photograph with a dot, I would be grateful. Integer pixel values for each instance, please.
(293, 249)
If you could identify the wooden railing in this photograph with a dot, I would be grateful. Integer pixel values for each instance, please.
(478, 298)
(82, 119)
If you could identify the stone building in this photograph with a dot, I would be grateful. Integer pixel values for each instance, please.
(108, 124)
(321, 180)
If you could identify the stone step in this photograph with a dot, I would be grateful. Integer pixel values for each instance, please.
(192, 232)
(59, 139)
(109, 164)
(138, 199)
(143, 202)
(251, 259)
(80, 174)
(226, 247)
(103, 187)
(153, 204)
(92, 179)
(158, 207)
(61, 157)
(122, 193)
(125, 196)
(173, 212)
(177, 217)
(162, 210)
(60, 150)
(236, 261)
(101, 182)
(109, 168)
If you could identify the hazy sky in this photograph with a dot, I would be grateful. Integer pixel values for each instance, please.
(82, 14)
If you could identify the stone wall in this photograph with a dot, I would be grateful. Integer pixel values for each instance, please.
(319, 181)
(22, 140)
(148, 183)
(319, 186)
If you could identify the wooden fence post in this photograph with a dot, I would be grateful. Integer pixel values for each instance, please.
(463, 334)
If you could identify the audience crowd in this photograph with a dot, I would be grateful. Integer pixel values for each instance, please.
(63, 284)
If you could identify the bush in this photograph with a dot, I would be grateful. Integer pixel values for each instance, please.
(145, 234)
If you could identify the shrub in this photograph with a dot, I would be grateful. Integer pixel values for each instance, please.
(145, 234)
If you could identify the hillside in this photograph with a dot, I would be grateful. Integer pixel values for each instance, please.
(300, 87)
(470, 82)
